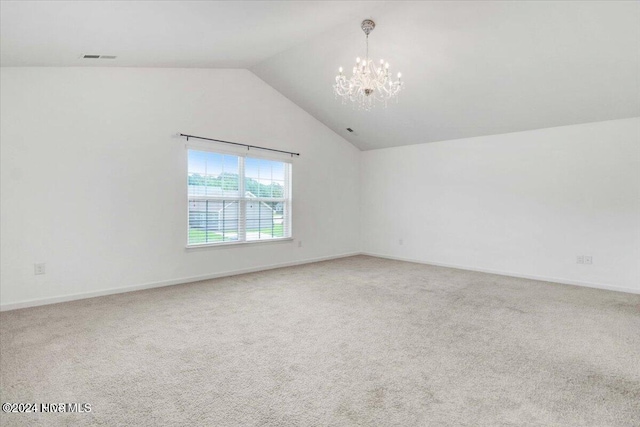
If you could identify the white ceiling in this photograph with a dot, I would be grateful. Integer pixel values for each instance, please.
(474, 68)
(199, 34)
(470, 68)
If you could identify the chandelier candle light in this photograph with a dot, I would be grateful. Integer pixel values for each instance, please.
(369, 83)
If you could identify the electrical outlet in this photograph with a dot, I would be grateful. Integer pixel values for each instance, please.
(400, 242)
(588, 259)
(580, 259)
(39, 268)
(299, 243)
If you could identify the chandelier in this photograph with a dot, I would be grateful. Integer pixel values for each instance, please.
(369, 82)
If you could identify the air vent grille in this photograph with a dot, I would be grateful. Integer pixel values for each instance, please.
(88, 56)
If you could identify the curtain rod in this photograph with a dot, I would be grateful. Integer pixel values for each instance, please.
(237, 143)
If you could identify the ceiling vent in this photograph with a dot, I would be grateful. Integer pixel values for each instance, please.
(86, 56)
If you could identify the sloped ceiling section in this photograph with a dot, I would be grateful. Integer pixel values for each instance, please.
(470, 68)
(473, 69)
(180, 34)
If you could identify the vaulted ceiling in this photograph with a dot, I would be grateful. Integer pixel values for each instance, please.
(470, 68)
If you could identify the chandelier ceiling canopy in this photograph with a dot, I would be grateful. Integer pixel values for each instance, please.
(369, 83)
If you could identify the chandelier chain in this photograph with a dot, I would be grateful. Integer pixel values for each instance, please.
(367, 57)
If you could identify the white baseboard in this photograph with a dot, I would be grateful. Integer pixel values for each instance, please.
(112, 291)
(511, 274)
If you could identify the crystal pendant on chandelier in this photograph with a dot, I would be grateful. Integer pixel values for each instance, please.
(370, 83)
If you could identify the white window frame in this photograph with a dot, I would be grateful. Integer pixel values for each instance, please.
(286, 201)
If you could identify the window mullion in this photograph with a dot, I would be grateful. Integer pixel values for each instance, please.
(287, 224)
(242, 221)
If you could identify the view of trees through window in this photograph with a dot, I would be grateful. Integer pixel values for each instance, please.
(233, 198)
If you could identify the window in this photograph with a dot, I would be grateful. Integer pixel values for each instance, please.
(237, 199)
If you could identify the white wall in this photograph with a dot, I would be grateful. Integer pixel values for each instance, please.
(94, 182)
(524, 203)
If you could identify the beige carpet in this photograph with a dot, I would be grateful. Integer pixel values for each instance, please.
(358, 341)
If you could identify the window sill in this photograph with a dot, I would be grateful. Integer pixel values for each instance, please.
(233, 244)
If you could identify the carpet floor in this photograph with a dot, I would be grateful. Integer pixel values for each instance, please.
(358, 341)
